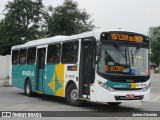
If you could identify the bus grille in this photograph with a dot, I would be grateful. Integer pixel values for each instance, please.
(129, 79)
(124, 98)
(127, 89)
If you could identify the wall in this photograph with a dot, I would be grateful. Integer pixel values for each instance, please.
(5, 70)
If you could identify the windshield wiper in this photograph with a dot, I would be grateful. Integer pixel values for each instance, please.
(132, 58)
(126, 56)
(121, 52)
(135, 54)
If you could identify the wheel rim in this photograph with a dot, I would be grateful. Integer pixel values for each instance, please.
(74, 95)
(27, 88)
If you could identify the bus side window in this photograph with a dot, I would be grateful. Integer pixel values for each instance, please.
(31, 57)
(15, 57)
(53, 55)
(22, 56)
(70, 52)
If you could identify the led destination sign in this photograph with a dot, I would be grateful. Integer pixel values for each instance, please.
(124, 36)
(118, 69)
(113, 68)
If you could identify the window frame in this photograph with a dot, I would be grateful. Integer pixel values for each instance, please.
(60, 51)
(34, 57)
(23, 63)
(17, 63)
(69, 41)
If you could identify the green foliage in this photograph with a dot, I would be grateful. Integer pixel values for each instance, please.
(154, 34)
(28, 15)
(23, 21)
(29, 19)
(68, 19)
(8, 36)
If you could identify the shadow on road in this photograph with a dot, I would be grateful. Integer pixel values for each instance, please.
(90, 106)
(106, 107)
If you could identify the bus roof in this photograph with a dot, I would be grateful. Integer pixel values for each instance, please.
(61, 38)
(54, 39)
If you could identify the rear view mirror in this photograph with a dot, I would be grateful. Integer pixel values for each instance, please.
(98, 50)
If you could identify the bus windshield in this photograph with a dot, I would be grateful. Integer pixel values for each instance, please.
(118, 59)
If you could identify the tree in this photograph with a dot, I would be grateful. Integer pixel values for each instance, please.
(27, 20)
(23, 22)
(68, 19)
(28, 15)
(8, 36)
(154, 34)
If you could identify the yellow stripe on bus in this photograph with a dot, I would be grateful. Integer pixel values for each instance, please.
(60, 75)
(133, 85)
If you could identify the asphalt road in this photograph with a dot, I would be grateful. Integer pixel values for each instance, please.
(13, 99)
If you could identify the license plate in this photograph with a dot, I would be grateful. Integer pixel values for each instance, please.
(130, 96)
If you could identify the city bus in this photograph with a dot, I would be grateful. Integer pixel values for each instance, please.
(99, 66)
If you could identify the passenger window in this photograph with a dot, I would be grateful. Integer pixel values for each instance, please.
(70, 52)
(31, 57)
(53, 55)
(15, 56)
(22, 56)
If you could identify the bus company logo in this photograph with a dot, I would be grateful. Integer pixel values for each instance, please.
(6, 114)
(19, 114)
(28, 73)
(129, 80)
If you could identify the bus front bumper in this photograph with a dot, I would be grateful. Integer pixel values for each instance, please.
(104, 95)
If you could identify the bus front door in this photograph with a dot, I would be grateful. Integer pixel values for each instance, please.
(40, 69)
(86, 67)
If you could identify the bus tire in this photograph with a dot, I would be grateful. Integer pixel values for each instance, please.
(72, 96)
(114, 103)
(28, 88)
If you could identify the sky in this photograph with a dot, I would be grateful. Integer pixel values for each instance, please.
(132, 15)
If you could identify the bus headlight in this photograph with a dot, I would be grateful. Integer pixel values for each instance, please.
(146, 88)
(106, 86)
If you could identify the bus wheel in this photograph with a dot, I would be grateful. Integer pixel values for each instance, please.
(114, 103)
(28, 88)
(72, 96)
